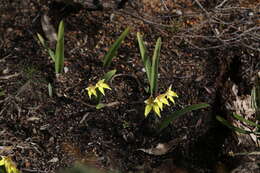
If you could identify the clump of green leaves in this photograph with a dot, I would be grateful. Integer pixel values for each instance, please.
(255, 102)
(58, 55)
(98, 90)
(157, 101)
(113, 49)
(237, 129)
(174, 115)
(154, 102)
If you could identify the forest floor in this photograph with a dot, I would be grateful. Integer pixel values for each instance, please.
(208, 47)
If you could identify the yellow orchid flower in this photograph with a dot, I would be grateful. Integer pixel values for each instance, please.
(9, 165)
(91, 91)
(170, 94)
(151, 104)
(101, 85)
(160, 100)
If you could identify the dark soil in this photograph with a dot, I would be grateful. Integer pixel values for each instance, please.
(45, 134)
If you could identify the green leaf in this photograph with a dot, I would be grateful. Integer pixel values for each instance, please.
(179, 113)
(155, 64)
(144, 56)
(109, 75)
(59, 53)
(226, 123)
(51, 54)
(100, 106)
(2, 93)
(42, 41)
(113, 49)
(78, 168)
(251, 123)
(50, 90)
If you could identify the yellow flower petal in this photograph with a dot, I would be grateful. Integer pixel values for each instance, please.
(171, 99)
(157, 110)
(104, 85)
(9, 165)
(160, 105)
(170, 94)
(101, 90)
(151, 104)
(148, 109)
(91, 91)
(2, 161)
(101, 85)
(165, 101)
(160, 100)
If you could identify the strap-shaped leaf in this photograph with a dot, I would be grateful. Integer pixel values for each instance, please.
(2, 93)
(226, 123)
(251, 123)
(113, 49)
(59, 52)
(146, 60)
(50, 90)
(155, 64)
(173, 116)
(42, 41)
(109, 75)
(100, 106)
(51, 53)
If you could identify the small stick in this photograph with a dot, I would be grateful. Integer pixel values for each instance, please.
(9, 76)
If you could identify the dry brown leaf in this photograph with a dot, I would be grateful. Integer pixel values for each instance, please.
(162, 148)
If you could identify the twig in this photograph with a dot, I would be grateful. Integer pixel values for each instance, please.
(126, 75)
(145, 20)
(33, 170)
(245, 153)
(221, 4)
(203, 9)
(165, 6)
(9, 76)
(3, 58)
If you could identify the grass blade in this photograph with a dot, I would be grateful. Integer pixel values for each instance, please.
(112, 51)
(155, 64)
(144, 56)
(41, 39)
(226, 123)
(43, 43)
(50, 90)
(59, 53)
(109, 75)
(251, 123)
(2, 93)
(179, 113)
(100, 106)
(51, 53)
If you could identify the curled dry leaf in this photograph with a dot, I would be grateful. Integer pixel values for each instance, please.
(163, 148)
(48, 29)
(241, 105)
